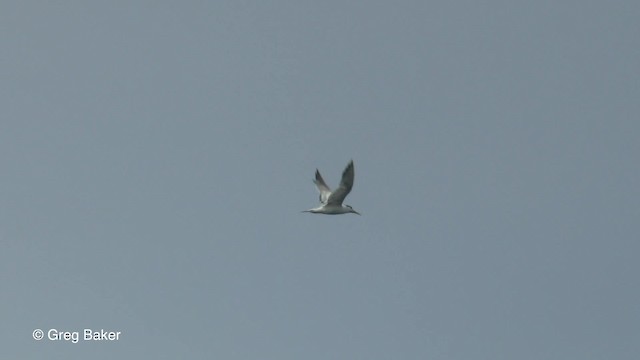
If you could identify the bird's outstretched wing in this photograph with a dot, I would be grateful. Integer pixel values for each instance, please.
(324, 190)
(337, 197)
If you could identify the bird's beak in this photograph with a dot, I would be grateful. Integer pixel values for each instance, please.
(355, 212)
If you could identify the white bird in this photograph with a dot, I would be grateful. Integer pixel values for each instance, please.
(331, 202)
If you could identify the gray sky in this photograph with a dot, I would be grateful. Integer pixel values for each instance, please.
(155, 157)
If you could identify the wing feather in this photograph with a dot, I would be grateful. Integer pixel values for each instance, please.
(325, 191)
(338, 196)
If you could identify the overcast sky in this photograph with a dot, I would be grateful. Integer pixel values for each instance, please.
(155, 157)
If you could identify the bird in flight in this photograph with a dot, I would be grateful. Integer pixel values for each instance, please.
(331, 201)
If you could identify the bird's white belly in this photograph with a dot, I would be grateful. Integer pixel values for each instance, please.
(333, 210)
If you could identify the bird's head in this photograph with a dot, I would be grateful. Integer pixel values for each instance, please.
(352, 211)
